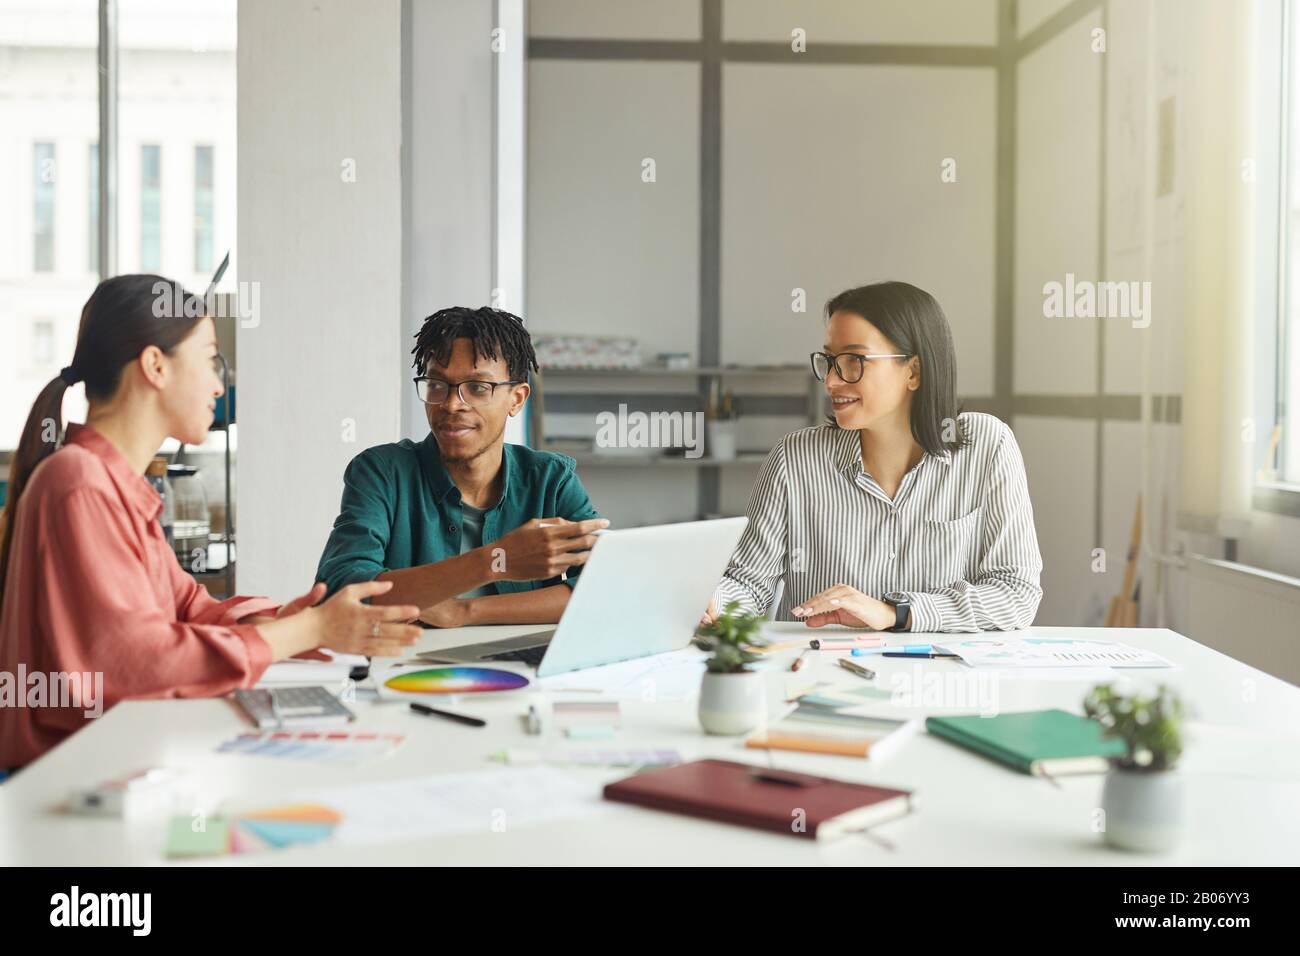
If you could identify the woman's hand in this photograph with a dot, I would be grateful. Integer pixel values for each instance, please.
(450, 613)
(350, 627)
(710, 613)
(842, 604)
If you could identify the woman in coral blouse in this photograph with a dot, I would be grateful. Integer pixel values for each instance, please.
(91, 595)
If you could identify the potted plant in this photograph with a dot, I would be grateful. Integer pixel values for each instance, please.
(1142, 800)
(732, 696)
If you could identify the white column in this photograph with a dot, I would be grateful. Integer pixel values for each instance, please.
(320, 233)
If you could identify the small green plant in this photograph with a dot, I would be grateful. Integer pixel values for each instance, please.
(1150, 725)
(729, 638)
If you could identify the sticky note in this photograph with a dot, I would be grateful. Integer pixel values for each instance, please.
(589, 732)
(183, 840)
(280, 834)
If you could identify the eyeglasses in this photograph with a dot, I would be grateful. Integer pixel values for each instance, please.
(849, 372)
(434, 391)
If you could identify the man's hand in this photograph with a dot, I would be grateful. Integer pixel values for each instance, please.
(452, 613)
(310, 599)
(848, 606)
(543, 548)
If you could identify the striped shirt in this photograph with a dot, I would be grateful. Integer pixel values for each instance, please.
(957, 538)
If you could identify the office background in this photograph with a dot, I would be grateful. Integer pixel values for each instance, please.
(411, 158)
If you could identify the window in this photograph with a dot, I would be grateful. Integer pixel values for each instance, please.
(176, 100)
(43, 343)
(1287, 433)
(92, 211)
(175, 73)
(202, 208)
(45, 173)
(150, 208)
(1277, 349)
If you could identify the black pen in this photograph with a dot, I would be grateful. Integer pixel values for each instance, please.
(931, 656)
(459, 718)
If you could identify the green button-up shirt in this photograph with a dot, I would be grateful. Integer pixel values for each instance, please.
(401, 509)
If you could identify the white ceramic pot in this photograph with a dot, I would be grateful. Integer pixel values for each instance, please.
(1143, 809)
(721, 441)
(732, 704)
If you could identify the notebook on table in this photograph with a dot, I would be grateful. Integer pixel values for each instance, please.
(798, 804)
(1041, 742)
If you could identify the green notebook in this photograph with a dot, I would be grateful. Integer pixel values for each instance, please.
(1040, 742)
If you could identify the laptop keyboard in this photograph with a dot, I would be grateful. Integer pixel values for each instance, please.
(532, 656)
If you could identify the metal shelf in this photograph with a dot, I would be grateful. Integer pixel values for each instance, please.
(592, 460)
(659, 371)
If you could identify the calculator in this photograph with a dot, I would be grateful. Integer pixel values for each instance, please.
(281, 707)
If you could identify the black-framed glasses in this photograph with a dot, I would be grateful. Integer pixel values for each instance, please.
(434, 391)
(849, 371)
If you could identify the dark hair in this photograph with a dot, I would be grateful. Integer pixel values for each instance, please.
(914, 322)
(123, 316)
(492, 333)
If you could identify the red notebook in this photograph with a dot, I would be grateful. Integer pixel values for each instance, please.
(796, 803)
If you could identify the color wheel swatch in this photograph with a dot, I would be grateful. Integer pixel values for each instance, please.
(455, 680)
(275, 828)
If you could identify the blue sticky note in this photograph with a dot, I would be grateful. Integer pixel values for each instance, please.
(282, 833)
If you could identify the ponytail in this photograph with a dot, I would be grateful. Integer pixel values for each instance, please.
(39, 439)
(123, 316)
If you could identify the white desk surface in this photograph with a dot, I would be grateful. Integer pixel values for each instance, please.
(1242, 769)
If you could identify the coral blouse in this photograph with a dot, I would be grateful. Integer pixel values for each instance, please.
(94, 589)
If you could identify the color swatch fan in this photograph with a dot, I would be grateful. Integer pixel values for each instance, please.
(450, 680)
(275, 828)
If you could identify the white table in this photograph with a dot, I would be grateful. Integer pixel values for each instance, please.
(1242, 772)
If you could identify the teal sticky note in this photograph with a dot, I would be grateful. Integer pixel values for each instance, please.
(281, 833)
(589, 732)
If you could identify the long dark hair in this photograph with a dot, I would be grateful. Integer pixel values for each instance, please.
(123, 316)
(912, 319)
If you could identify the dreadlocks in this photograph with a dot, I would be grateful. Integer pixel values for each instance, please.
(492, 334)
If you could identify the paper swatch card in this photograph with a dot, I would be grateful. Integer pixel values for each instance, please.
(320, 746)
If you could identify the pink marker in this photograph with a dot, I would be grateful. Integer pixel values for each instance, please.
(844, 643)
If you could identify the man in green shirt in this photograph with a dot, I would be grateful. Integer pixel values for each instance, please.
(467, 527)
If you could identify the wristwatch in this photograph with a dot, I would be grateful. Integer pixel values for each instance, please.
(902, 609)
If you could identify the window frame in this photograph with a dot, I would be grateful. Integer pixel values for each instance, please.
(1281, 494)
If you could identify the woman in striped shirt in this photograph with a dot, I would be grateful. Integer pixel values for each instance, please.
(900, 513)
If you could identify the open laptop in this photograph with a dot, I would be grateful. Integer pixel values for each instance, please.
(641, 592)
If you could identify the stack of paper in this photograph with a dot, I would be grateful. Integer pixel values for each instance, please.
(334, 670)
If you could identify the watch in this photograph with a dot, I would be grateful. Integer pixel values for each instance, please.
(902, 609)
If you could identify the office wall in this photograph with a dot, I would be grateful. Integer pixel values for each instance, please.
(825, 179)
(773, 172)
(447, 170)
(319, 98)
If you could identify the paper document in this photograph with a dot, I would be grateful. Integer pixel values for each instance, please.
(482, 801)
(294, 671)
(1047, 652)
(674, 676)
